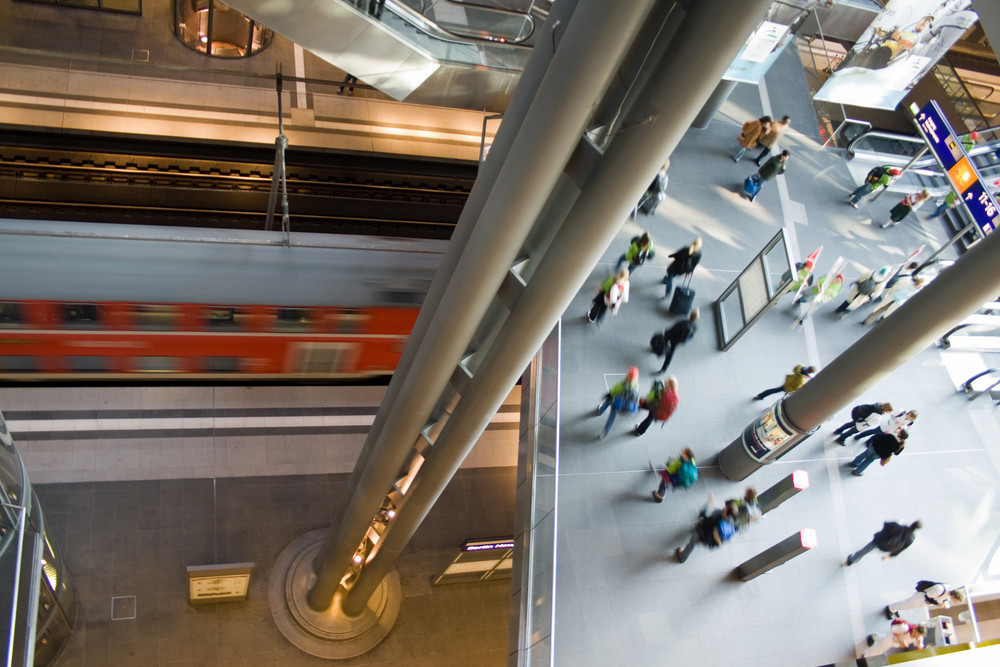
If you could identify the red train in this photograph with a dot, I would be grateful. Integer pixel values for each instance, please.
(116, 303)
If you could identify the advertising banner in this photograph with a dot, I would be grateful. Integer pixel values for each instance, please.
(896, 50)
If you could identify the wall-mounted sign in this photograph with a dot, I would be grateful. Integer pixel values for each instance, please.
(950, 153)
(218, 583)
(488, 545)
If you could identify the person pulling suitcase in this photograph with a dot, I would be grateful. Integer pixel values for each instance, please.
(685, 261)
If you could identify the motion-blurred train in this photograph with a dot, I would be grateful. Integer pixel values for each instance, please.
(118, 302)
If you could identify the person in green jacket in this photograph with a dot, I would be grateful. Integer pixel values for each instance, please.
(878, 177)
(793, 381)
(950, 201)
(639, 250)
(775, 166)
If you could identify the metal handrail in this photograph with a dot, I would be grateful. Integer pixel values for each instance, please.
(967, 385)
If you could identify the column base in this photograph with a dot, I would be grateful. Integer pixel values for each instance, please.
(331, 633)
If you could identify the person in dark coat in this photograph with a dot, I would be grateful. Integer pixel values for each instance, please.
(892, 539)
(685, 261)
(880, 446)
(860, 416)
(714, 528)
(681, 332)
(775, 166)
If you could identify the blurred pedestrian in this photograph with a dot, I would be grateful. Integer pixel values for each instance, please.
(866, 287)
(910, 202)
(678, 472)
(894, 297)
(823, 294)
(714, 528)
(969, 140)
(950, 201)
(612, 294)
(622, 397)
(880, 446)
(902, 270)
(928, 594)
(769, 138)
(747, 509)
(794, 380)
(750, 135)
(685, 261)
(350, 79)
(901, 635)
(877, 177)
(891, 423)
(680, 333)
(864, 416)
(892, 539)
(661, 402)
(656, 192)
(640, 248)
(774, 167)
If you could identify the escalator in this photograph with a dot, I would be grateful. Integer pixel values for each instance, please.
(452, 53)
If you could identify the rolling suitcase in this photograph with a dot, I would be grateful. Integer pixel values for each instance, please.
(683, 298)
(751, 186)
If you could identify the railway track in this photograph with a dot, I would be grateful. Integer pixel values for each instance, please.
(98, 179)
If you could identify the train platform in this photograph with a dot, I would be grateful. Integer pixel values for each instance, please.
(620, 596)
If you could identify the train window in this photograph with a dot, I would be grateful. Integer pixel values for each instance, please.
(80, 315)
(156, 317)
(402, 297)
(350, 321)
(324, 358)
(19, 364)
(225, 318)
(295, 319)
(155, 364)
(222, 364)
(10, 315)
(88, 364)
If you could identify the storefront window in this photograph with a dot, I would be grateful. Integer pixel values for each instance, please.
(121, 6)
(211, 27)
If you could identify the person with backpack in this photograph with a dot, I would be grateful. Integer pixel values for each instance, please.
(660, 402)
(794, 380)
(892, 539)
(866, 287)
(901, 635)
(622, 397)
(668, 341)
(639, 250)
(685, 262)
(714, 528)
(929, 594)
(774, 167)
(678, 472)
(612, 294)
(910, 202)
(863, 416)
(878, 177)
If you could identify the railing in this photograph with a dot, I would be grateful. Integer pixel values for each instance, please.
(985, 387)
(959, 96)
(476, 21)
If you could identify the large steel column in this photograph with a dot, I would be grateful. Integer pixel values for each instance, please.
(958, 291)
(617, 182)
(580, 69)
(527, 88)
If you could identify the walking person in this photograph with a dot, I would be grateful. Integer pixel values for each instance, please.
(769, 138)
(660, 402)
(910, 203)
(612, 294)
(685, 261)
(656, 191)
(622, 397)
(878, 177)
(928, 594)
(866, 287)
(680, 333)
(823, 294)
(880, 446)
(775, 166)
(714, 528)
(350, 79)
(864, 416)
(894, 297)
(750, 135)
(901, 635)
(891, 423)
(892, 539)
(747, 509)
(640, 249)
(678, 472)
(950, 201)
(794, 380)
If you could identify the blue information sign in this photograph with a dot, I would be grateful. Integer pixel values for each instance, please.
(963, 174)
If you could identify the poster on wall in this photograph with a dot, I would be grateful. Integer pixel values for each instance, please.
(901, 45)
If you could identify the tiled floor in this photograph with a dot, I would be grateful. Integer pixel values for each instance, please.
(136, 538)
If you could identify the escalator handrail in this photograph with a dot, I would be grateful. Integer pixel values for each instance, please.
(435, 31)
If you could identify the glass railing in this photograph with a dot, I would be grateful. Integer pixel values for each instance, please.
(538, 470)
(476, 21)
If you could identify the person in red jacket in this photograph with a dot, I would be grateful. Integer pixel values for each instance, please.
(660, 402)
